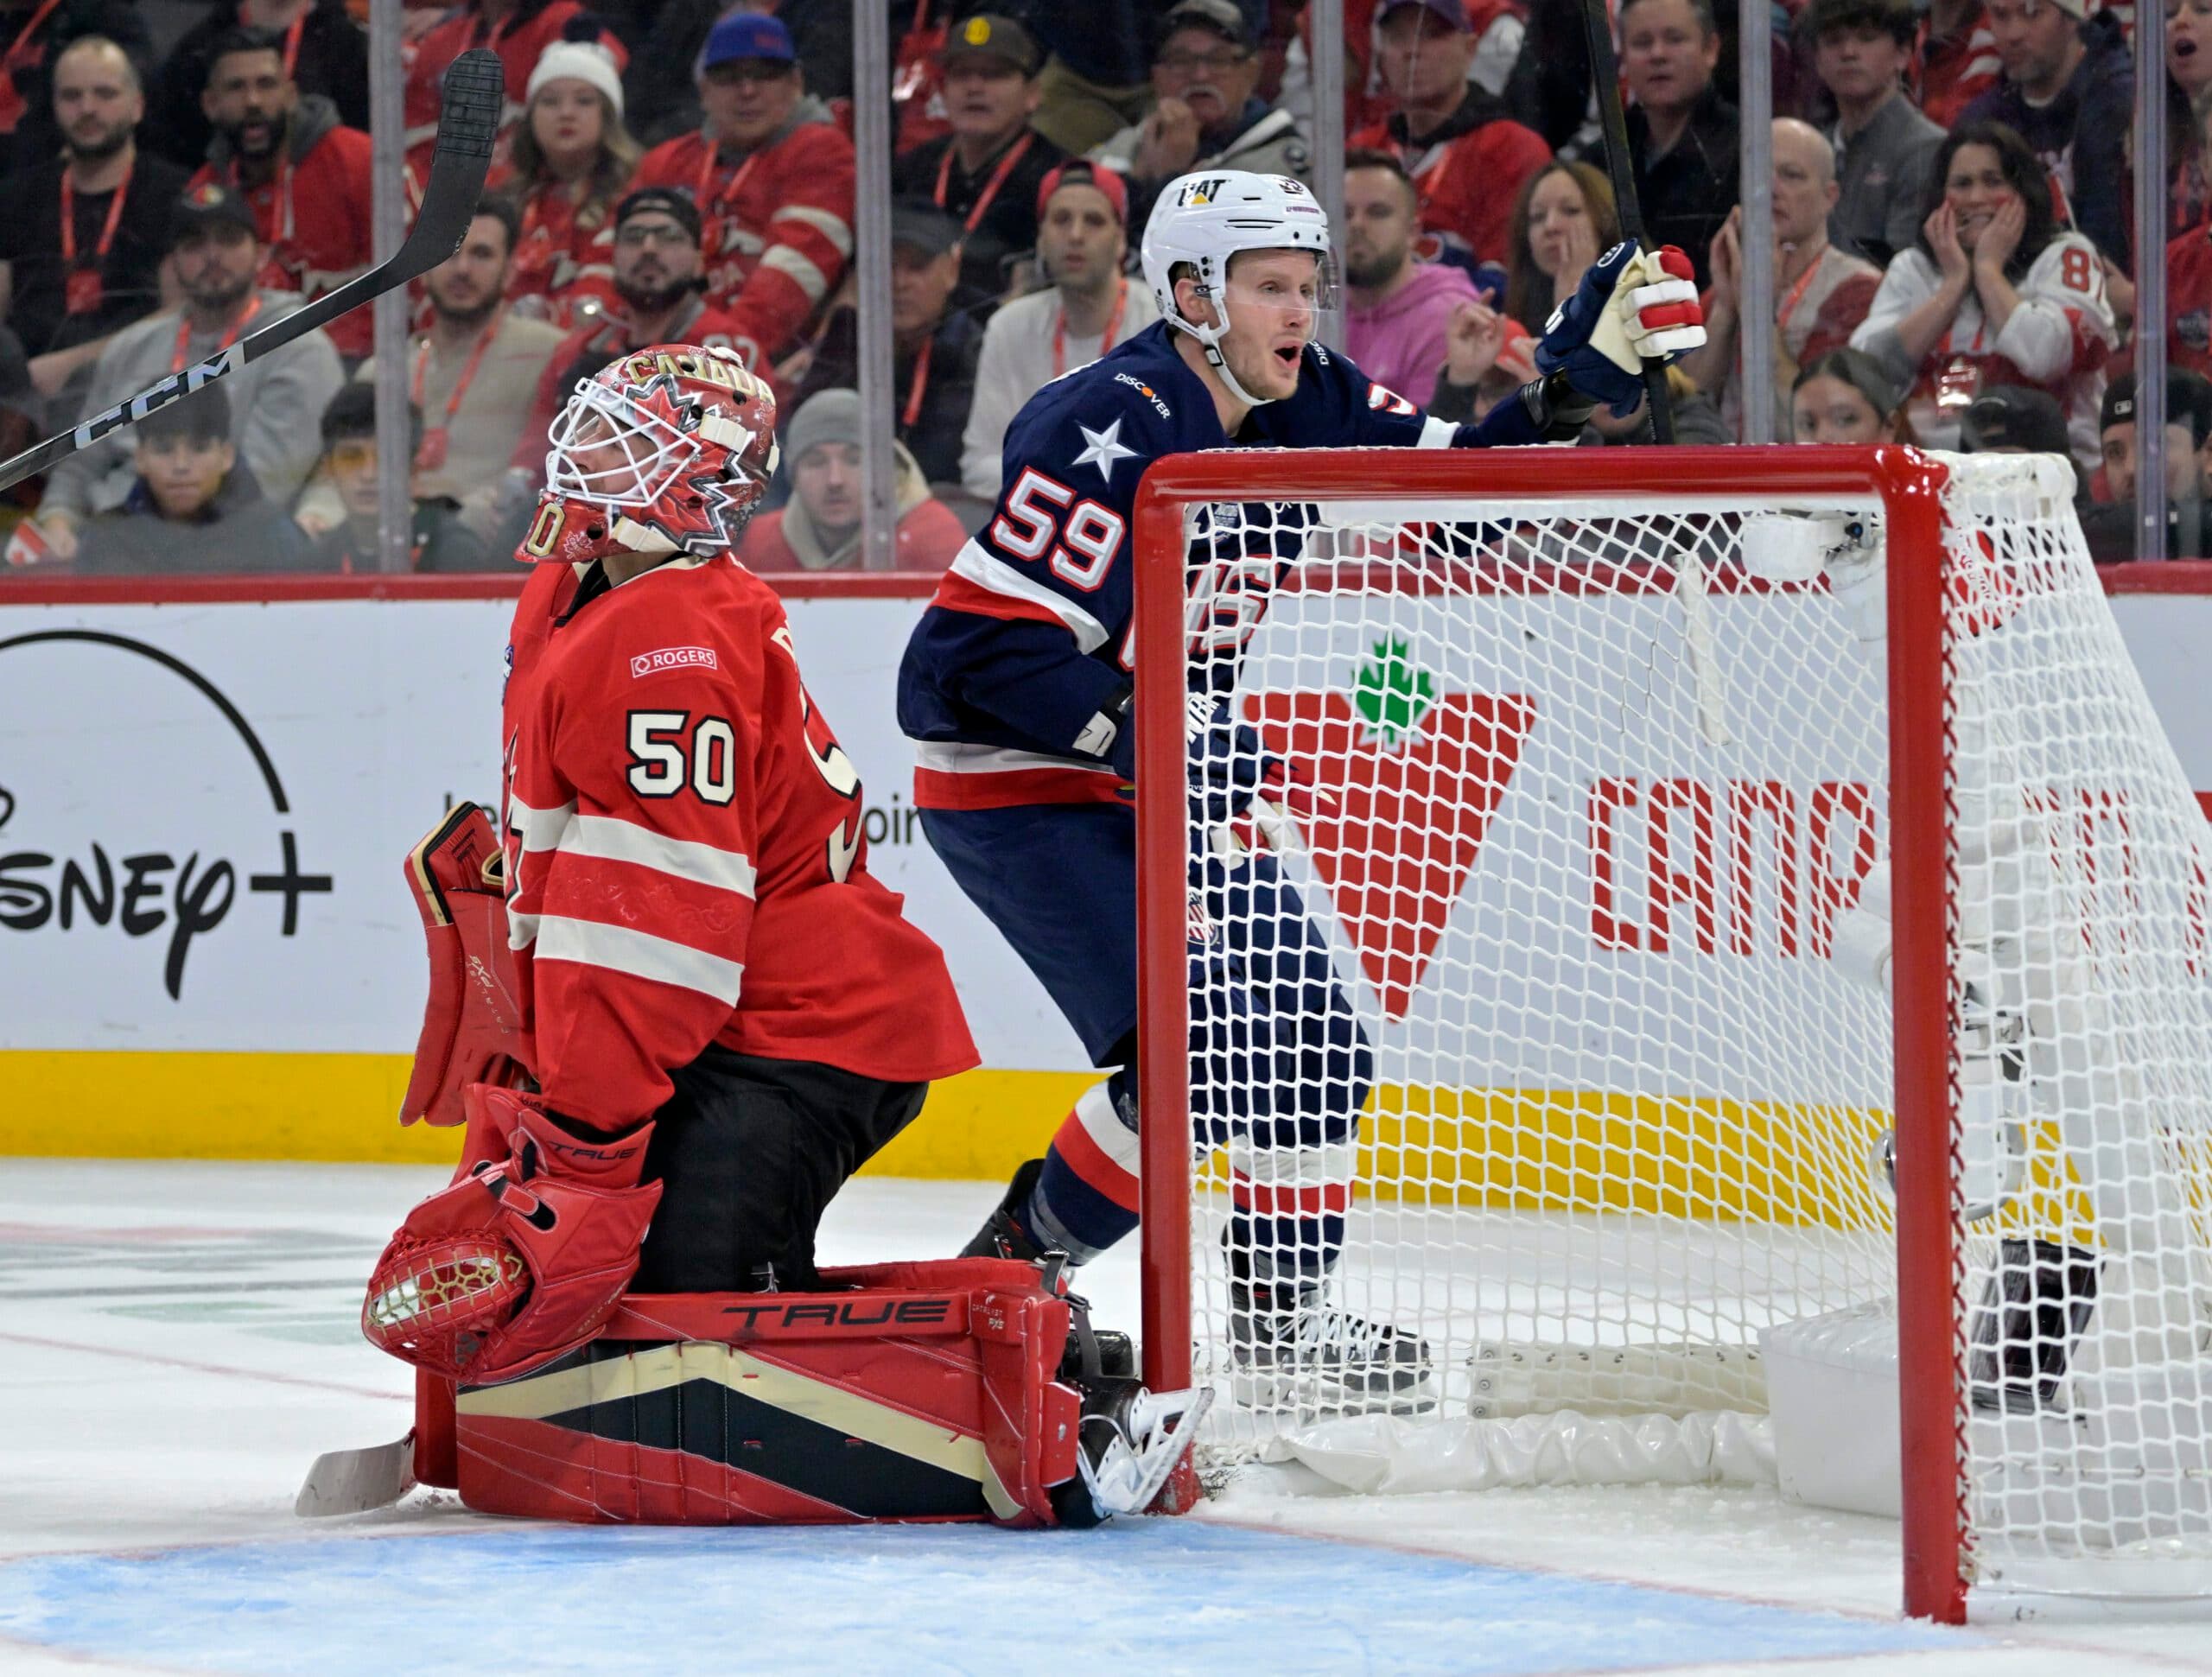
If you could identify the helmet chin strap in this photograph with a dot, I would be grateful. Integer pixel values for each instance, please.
(1210, 339)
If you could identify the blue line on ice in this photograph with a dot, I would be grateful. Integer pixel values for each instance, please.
(1154, 1596)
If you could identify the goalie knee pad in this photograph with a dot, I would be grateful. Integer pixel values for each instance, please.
(965, 1389)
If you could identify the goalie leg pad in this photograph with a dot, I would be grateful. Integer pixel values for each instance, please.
(937, 1391)
(471, 1022)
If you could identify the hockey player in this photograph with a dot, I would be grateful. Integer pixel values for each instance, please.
(721, 1008)
(1016, 687)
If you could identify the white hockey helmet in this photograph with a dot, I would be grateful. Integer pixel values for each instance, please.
(1205, 218)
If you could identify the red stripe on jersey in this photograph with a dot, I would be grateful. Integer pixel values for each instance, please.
(935, 788)
(1267, 1199)
(1088, 1161)
(957, 593)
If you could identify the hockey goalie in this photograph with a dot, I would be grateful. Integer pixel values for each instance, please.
(675, 1011)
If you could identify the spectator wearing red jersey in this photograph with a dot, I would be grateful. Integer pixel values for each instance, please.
(517, 30)
(819, 528)
(1206, 112)
(773, 177)
(2188, 300)
(1467, 158)
(1821, 292)
(1398, 308)
(1681, 133)
(656, 282)
(326, 52)
(986, 172)
(305, 174)
(569, 165)
(1955, 61)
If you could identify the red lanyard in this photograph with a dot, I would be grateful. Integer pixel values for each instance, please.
(1113, 324)
(918, 387)
(14, 53)
(283, 233)
(1797, 292)
(998, 178)
(730, 188)
(107, 230)
(291, 40)
(230, 337)
(467, 369)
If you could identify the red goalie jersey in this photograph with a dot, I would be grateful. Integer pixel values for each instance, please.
(685, 853)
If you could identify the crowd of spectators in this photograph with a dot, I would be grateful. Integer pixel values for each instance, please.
(1954, 251)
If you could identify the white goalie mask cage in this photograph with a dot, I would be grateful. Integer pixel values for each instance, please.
(656, 455)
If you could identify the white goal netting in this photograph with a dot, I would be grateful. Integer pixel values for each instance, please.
(1595, 909)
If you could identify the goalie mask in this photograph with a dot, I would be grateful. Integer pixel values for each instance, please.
(666, 450)
(1202, 220)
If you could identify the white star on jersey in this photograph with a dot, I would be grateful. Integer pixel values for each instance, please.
(1105, 448)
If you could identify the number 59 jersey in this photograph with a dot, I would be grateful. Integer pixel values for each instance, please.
(685, 852)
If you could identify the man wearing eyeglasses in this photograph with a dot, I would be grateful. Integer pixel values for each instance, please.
(1206, 112)
(773, 177)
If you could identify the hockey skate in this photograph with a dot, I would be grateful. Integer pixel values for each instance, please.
(1002, 1235)
(1290, 1350)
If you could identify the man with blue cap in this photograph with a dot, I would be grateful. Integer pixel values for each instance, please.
(773, 177)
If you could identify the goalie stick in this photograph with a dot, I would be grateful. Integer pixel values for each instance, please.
(475, 87)
(1605, 79)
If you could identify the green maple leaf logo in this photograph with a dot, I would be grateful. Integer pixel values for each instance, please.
(1392, 693)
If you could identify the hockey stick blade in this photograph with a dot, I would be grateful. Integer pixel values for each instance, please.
(355, 1481)
(476, 86)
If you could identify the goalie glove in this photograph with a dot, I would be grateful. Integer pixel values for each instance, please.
(1630, 307)
(520, 1261)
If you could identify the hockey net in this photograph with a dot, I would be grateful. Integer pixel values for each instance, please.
(1625, 752)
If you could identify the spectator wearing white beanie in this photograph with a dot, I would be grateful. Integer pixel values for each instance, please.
(570, 163)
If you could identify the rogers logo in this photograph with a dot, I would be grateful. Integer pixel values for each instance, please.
(673, 658)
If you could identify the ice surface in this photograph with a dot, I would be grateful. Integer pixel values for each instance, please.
(177, 1342)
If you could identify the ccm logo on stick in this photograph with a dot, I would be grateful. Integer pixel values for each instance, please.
(674, 657)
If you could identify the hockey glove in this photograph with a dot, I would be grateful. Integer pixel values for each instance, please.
(1243, 796)
(1630, 307)
(520, 1261)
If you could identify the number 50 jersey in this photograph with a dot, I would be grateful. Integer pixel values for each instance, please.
(686, 861)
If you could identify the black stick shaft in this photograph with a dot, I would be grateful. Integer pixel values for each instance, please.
(1621, 169)
(468, 120)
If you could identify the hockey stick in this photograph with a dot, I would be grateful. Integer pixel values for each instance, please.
(475, 87)
(1606, 73)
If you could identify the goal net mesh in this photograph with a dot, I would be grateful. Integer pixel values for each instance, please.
(1595, 896)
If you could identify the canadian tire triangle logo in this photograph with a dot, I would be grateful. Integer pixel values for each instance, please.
(1417, 775)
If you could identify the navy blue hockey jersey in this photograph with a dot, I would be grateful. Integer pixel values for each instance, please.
(1027, 640)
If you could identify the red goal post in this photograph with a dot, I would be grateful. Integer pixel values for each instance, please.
(1910, 489)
